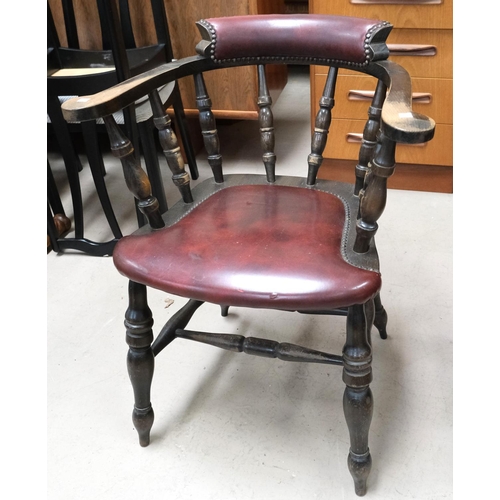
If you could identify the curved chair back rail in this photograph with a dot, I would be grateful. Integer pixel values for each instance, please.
(317, 38)
(357, 44)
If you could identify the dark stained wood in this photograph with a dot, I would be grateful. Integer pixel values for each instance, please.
(208, 128)
(322, 126)
(373, 197)
(140, 358)
(179, 320)
(370, 131)
(136, 179)
(380, 318)
(261, 347)
(358, 398)
(170, 146)
(266, 125)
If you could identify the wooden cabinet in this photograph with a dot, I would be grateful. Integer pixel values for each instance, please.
(421, 42)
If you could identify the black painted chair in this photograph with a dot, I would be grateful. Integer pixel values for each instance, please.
(289, 243)
(72, 71)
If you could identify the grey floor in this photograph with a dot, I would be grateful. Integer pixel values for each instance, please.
(230, 426)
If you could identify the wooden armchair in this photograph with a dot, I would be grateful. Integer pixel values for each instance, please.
(266, 241)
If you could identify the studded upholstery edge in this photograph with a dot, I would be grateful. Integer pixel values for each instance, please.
(343, 191)
(360, 40)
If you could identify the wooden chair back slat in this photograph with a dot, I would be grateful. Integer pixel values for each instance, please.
(322, 126)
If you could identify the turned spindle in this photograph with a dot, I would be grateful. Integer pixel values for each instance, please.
(136, 179)
(266, 125)
(322, 126)
(208, 128)
(370, 131)
(170, 147)
(373, 197)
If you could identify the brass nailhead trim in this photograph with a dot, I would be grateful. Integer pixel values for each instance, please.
(317, 60)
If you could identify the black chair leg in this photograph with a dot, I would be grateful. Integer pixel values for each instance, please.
(140, 359)
(380, 320)
(94, 155)
(358, 398)
(53, 193)
(71, 161)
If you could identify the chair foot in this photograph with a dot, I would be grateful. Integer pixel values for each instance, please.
(359, 467)
(224, 311)
(143, 422)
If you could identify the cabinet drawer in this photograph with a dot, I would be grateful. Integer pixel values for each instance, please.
(423, 53)
(427, 53)
(344, 142)
(434, 14)
(432, 97)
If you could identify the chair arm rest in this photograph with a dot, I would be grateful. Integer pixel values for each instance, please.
(399, 122)
(118, 97)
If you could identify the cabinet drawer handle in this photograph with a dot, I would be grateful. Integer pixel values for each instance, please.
(397, 2)
(409, 49)
(367, 95)
(355, 138)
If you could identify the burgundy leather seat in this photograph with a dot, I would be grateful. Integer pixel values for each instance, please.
(274, 247)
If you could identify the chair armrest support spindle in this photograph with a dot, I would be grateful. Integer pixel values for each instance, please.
(370, 131)
(322, 126)
(208, 128)
(372, 199)
(136, 179)
(170, 147)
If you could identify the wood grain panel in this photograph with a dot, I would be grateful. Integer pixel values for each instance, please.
(439, 151)
(438, 66)
(87, 23)
(347, 105)
(416, 22)
(410, 14)
(431, 178)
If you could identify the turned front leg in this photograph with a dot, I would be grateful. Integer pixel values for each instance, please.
(140, 359)
(358, 399)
